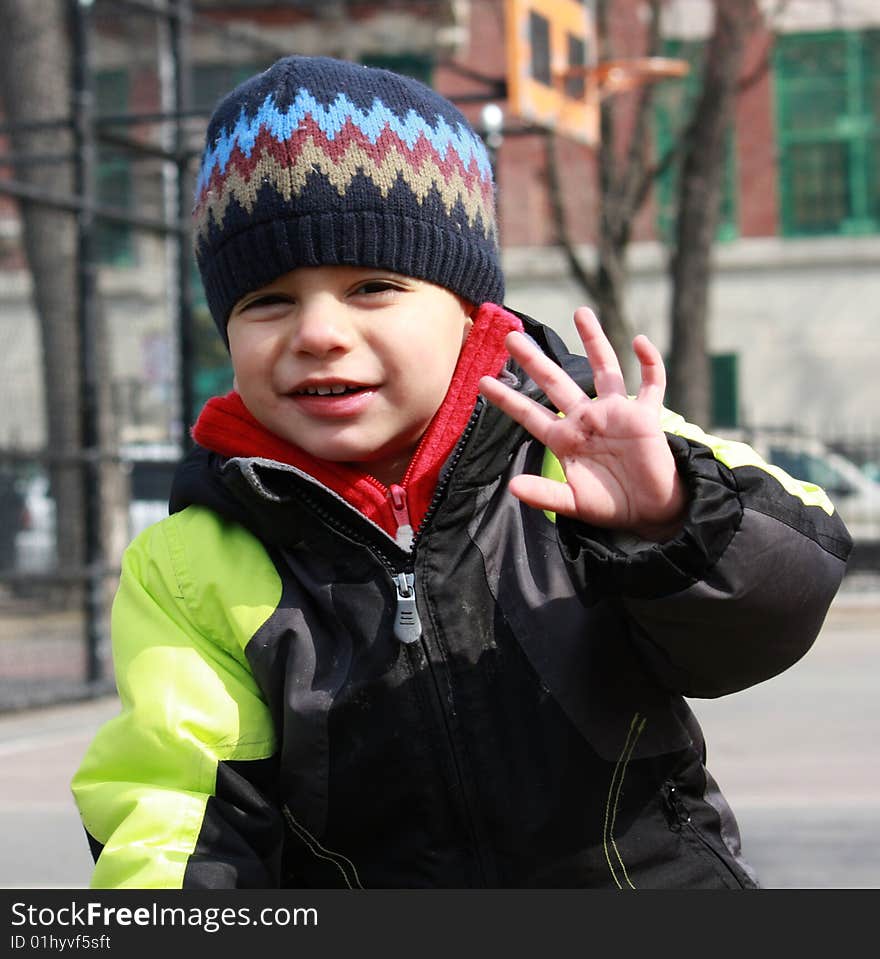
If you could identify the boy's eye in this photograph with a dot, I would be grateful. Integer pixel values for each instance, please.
(375, 286)
(269, 299)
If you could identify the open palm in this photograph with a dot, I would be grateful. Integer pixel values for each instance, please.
(618, 467)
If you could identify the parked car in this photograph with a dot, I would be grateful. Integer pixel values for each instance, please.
(852, 490)
(35, 539)
(150, 469)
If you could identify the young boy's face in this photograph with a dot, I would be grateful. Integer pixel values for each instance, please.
(348, 363)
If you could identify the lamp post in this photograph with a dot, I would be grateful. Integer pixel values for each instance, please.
(492, 129)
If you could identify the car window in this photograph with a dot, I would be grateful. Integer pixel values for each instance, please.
(810, 469)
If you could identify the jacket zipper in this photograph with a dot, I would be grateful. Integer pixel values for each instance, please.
(407, 624)
(399, 507)
(450, 467)
(678, 818)
(438, 692)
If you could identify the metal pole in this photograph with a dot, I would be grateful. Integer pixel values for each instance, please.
(86, 315)
(179, 28)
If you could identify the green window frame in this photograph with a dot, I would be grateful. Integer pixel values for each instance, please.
(724, 385)
(827, 95)
(114, 181)
(212, 81)
(415, 65)
(674, 101)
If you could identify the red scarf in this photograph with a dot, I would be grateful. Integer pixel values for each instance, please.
(226, 426)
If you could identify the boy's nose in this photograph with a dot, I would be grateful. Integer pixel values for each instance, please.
(320, 329)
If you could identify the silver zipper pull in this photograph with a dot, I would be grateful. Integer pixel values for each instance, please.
(407, 625)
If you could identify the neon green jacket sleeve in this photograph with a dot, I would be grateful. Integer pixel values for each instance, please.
(190, 705)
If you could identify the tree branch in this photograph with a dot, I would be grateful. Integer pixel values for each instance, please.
(631, 192)
(584, 277)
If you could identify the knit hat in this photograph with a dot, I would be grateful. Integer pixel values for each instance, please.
(320, 161)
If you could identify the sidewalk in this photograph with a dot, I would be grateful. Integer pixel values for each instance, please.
(41, 837)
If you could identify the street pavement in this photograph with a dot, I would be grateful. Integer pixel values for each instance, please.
(796, 756)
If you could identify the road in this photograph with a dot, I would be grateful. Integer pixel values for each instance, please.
(797, 757)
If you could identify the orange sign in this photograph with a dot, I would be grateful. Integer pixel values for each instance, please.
(550, 47)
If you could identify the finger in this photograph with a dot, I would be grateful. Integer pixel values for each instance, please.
(532, 416)
(607, 375)
(653, 385)
(559, 387)
(542, 493)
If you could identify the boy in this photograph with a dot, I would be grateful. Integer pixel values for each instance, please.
(392, 634)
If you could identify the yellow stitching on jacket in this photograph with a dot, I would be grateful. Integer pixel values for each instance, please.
(314, 846)
(608, 827)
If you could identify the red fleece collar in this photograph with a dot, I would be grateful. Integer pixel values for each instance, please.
(227, 427)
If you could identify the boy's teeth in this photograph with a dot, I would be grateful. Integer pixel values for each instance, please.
(327, 390)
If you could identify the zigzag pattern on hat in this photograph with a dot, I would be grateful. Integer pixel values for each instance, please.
(342, 142)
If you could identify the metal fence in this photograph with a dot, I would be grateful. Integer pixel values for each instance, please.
(114, 172)
(48, 651)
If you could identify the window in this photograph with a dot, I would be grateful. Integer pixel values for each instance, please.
(539, 42)
(828, 130)
(724, 378)
(114, 242)
(674, 101)
(576, 85)
(211, 81)
(409, 64)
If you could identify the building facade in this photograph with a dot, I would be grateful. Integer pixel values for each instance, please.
(795, 288)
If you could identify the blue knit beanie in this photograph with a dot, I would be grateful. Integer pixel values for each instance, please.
(319, 161)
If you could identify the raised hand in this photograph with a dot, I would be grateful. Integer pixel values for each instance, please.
(619, 469)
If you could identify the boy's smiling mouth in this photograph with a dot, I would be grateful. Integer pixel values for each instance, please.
(336, 398)
(335, 389)
(327, 386)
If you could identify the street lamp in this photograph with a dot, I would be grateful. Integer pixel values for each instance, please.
(492, 128)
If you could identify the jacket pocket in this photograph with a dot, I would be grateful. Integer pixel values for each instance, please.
(694, 824)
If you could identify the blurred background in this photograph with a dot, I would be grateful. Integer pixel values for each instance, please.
(704, 171)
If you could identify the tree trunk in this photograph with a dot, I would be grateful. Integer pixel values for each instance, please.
(624, 177)
(35, 36)
(699, 201)
(36, 78)
(603, 286)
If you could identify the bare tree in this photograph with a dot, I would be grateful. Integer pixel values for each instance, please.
(35, 36)
(37, 93)
(699, 205)
(626, 177)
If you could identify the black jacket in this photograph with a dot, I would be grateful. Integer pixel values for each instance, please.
(519, 720)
